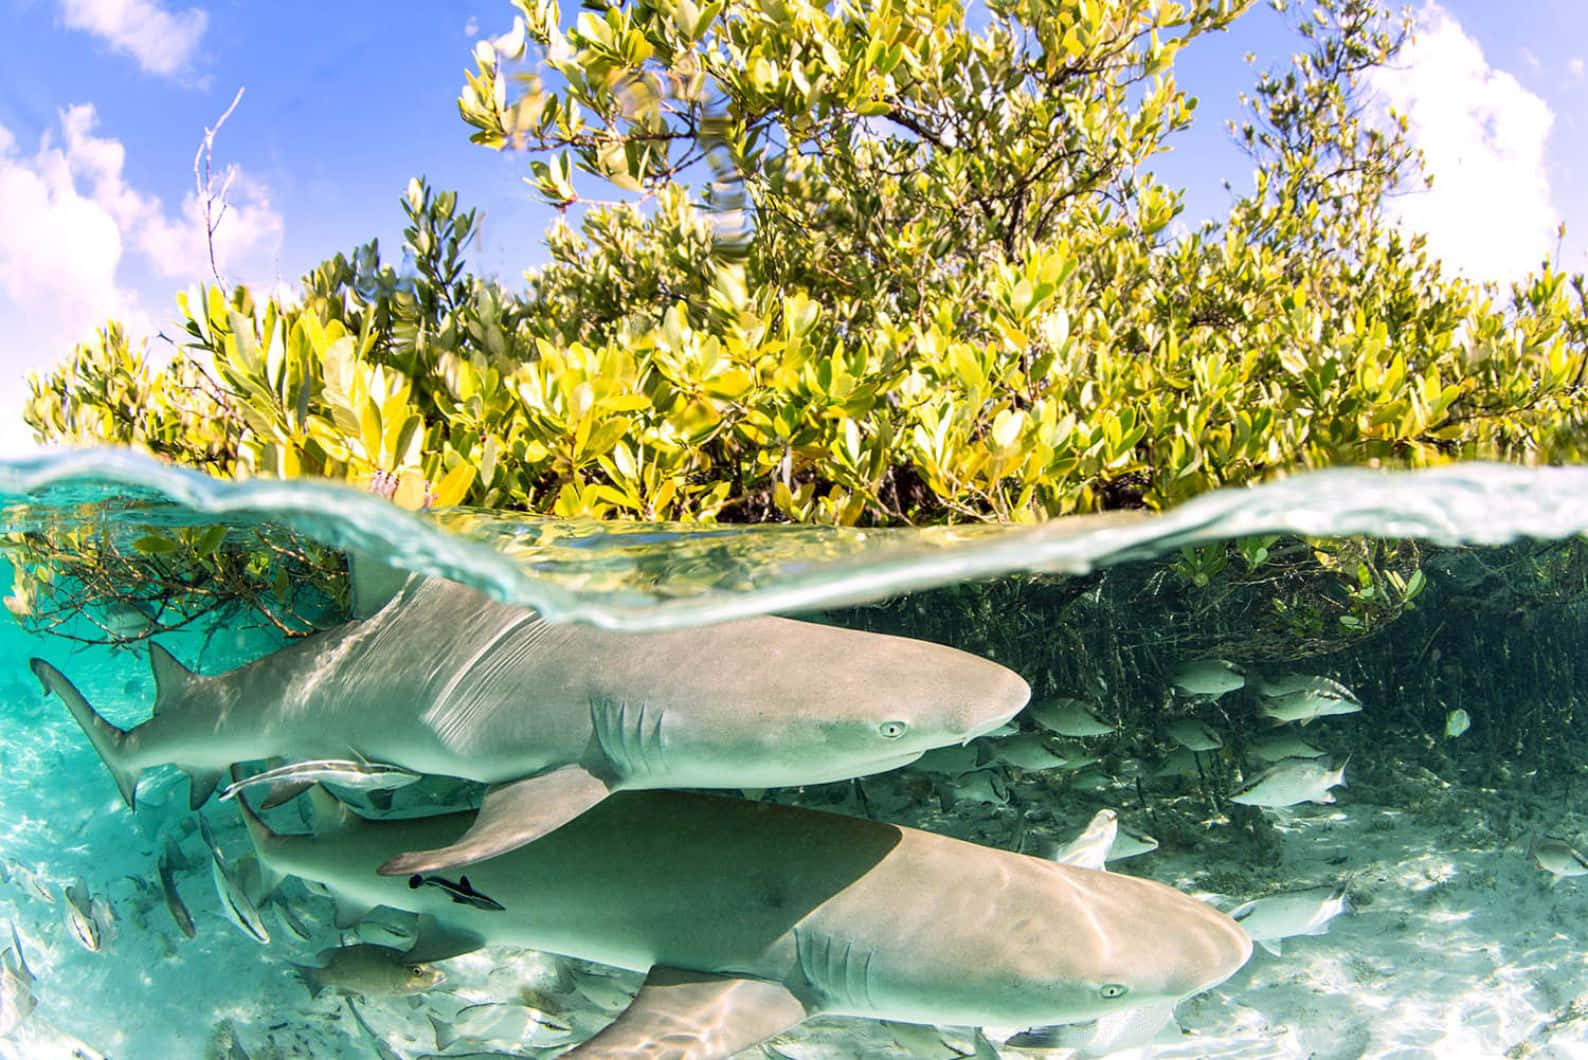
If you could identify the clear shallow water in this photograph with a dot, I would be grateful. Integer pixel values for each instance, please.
(1458, 944)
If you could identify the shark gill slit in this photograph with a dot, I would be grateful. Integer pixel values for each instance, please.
(835, 975)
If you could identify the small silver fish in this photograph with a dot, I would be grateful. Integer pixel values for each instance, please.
(1195, 735)
(378, 1045)
(398, 933)
(124, 621)
(34, 883)
(1457, 722)
(1208, 678)
(290, 920)
(1089, 850)
(105, 917)
(920, 1040)
(491, 1022)
(368, 971)
(954, 760)
(1181, 763)
(1129, 844)
(16, 986)
(605, 992)
(1092, 779)
(357, 773)
(984, 786)
(1558, 858)
(1108, 1036)
(1320, 697)
(1070, 717)
(173, 898)
(1284, 745)
(80, 917)
(240, 908)
(1027, 751)
(1292, 781)
(1271, 920)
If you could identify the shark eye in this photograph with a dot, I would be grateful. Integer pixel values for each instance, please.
(1113, 990)
(892, 730)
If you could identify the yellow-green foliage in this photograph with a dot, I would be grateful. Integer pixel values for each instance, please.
(932, 281)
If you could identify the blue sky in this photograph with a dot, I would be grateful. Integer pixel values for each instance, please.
(103, 102)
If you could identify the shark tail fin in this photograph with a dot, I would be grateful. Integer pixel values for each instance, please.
(108, 740)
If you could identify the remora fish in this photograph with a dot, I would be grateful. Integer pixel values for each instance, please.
(750, 917)
(1208, 678)
(368, 971)
(445, 680)
(356, 774)
(1271, 920)
(1319, 697)
(1291, 781)
(460, 892)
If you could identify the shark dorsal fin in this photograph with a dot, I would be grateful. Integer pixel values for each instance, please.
(171, 678)
(371, 583)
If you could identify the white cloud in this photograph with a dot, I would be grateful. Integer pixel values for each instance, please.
(163, 42)
(78, 245)
(1574, 66)
(471, 28)
(1483, 137)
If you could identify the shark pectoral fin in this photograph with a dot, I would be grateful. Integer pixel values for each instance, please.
(348, 912)
(200, 786)
(513, 814)
(284, 791)
(436, 942)
(679, 1014)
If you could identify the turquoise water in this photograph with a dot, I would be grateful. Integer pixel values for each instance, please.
(1466, 754)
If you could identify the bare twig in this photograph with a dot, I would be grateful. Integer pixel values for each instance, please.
(204, 180)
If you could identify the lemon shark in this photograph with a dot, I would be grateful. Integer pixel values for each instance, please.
(750, 917)
(444, 680)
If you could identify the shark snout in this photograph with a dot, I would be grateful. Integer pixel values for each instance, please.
(1004, 696)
